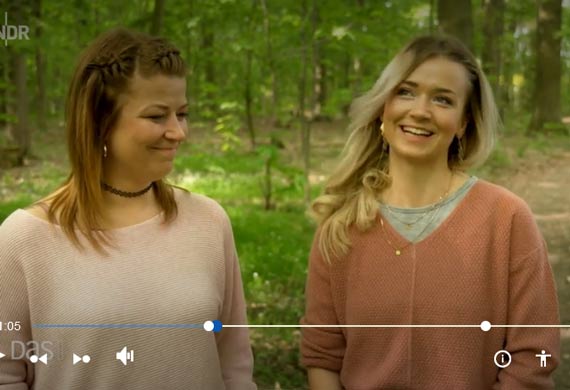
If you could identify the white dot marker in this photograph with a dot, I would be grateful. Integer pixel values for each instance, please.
(485, 326)
(208, 326)
(34, 359)
(86, 359)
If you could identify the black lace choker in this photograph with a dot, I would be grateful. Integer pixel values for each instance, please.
(125, 194)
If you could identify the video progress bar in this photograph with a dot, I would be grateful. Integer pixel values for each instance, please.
(217, 325)
(209, 326)
(394, 326)
(119, 326)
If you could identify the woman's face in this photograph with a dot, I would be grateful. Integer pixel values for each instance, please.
(426, 111)
(151, 125)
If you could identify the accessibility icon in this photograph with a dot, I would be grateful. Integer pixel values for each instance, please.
(543, 356)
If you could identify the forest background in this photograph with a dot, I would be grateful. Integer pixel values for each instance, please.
(270, 83)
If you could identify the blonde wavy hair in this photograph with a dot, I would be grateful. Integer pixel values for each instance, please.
(350, 196)
(102, 75)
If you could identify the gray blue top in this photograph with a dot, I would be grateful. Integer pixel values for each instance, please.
(428, 217)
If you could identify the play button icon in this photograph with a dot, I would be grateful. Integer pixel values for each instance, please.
(1, 355)
(84, 359)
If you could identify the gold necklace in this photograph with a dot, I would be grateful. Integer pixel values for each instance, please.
(398, 251)
(435, 207)
(407, 224)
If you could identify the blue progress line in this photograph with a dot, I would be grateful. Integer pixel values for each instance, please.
(121, 326)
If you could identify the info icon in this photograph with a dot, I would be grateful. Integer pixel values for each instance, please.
(502, 359)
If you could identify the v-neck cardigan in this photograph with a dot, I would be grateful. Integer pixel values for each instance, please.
(486, 262)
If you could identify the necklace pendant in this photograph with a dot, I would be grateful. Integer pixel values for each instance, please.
(398, 252)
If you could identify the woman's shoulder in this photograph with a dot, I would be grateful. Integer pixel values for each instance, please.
(27, 218)
(499, 198)
(197, 204)
(23, 227)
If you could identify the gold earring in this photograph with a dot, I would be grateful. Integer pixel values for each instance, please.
(385, 146)
(104, 150)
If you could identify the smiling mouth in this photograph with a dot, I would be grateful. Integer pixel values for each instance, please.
(416, 131)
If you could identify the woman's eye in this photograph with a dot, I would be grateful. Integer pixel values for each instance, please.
(155, 117)
(403, 92)
(444, 100)
(182, 115)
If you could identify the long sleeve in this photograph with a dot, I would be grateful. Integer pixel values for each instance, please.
(182, 272)
(234, 349)
(16, 373)
(532, 301)
(320, 347)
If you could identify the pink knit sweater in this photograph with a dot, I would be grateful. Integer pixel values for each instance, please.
(184, 272)
(486, 261)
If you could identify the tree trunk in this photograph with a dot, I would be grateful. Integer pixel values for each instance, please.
(455, 18)
(267, 185)
(305, 121)
(247, 87)
(319, 88)
(248, 99)
(207, 51)
(274, 106)
(189, 57)
(3, 93)
(431, 15)
(40, 69)
(20, 130)
(81, 10)
(546, 103)
(493, 26)
(356, 65)
(157, 17)
(507, 97)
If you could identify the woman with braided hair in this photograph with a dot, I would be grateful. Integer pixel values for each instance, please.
(430, 272)
(116, 257)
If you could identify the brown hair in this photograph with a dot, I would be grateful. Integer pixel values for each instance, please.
(350, 194)
(101, 76)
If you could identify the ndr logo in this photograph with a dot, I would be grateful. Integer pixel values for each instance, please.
(10, 32)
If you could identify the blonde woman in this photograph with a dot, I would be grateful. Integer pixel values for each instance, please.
(406, 237)
(110, 278)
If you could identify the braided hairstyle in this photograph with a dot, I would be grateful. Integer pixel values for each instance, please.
(101, 76)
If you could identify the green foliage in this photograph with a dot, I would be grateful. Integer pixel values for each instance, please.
(498, 159)
(337, 103)
(222, 175)
(7, 208)
(228, 124)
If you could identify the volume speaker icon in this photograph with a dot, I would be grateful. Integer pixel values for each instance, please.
(125, 356)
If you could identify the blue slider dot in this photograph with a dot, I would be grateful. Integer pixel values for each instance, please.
(217, 325)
